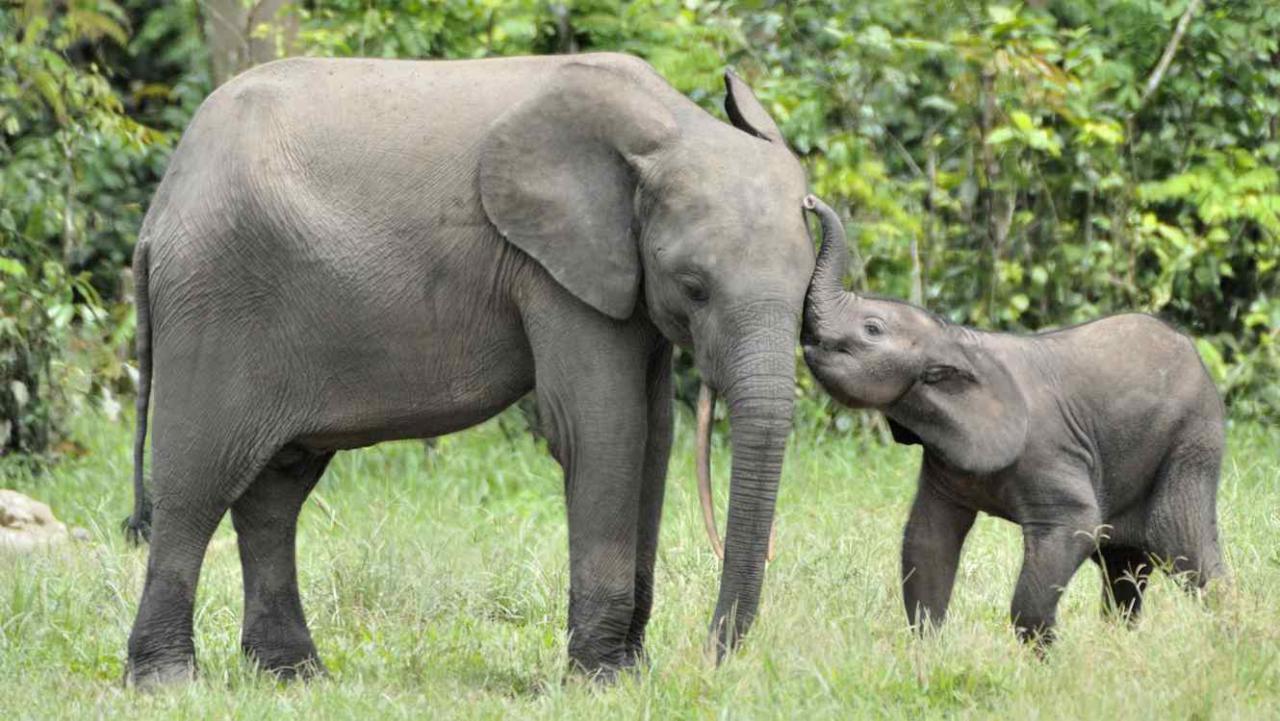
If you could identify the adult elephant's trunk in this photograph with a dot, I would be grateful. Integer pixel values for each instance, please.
(702, 464)
(759, 388)
(826, 287)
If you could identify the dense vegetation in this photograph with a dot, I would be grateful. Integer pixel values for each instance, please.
(1010, 165)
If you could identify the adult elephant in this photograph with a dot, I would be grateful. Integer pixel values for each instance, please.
(344, 252)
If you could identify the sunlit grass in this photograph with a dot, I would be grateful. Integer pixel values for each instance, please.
(436, 585)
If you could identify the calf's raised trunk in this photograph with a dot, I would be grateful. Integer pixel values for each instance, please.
(826, 287)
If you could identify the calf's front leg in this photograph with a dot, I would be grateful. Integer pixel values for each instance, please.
(931, 545)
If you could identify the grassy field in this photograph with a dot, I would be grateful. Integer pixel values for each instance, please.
(436, 587)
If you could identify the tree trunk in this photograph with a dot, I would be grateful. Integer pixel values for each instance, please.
(240, 35)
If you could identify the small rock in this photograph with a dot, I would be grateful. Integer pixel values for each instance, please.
(27, 524)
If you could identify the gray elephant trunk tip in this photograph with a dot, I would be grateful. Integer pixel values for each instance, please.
(826, 287)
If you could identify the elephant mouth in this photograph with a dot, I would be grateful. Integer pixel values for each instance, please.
(821, 361)
(808, 338)
(813, 353)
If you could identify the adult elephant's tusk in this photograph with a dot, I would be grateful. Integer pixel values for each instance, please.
(702, 463)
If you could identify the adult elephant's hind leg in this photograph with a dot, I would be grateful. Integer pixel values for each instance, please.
(654, 478)
(193, 489)
(275, 633)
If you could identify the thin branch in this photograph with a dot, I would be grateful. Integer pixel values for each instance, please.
(69, 199)
(217, 17)
(906, 155)
(1157, 75)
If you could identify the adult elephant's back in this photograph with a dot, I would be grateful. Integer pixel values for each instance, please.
(319, 240)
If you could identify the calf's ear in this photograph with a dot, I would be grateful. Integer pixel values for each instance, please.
(966, 407)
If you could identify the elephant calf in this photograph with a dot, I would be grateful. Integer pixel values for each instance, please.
(1103, 440)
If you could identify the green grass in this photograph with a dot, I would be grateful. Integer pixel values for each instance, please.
(436, 587)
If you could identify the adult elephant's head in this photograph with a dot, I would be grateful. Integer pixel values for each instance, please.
(638, 201)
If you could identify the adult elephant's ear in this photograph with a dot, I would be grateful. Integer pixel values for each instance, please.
(967, 407)
(745, 112)
(558, 175)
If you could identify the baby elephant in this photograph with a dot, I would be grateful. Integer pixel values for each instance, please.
(1102, 440)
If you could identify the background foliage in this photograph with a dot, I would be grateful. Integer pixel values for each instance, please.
(1014, 166)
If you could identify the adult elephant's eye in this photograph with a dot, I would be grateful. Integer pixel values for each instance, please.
(694, 289)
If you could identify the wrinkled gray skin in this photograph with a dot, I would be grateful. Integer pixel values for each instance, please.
(344, 252)
(1102, 441)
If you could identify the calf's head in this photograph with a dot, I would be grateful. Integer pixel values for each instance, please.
(944, 386)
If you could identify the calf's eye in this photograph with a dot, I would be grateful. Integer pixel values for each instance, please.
(873, 328)
(939, 373)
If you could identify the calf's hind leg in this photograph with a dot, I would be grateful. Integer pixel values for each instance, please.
(1182, 525)
(1124, 579)
(275, 633)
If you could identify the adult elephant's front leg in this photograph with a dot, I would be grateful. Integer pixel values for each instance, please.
(654, 479)
(591, 384)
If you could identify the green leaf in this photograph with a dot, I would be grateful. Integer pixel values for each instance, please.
(20, 395)
(12, 268)
(1001, 15)
(1001, 135)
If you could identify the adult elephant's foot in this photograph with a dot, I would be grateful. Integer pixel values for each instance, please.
(602, 662)
(287, 661)
(602, 675)
(600, 646)
(635, 656)
(595, 668)
(154, 675)
(605, 673)
(579, 676)
(290, 670)
(1037, 635)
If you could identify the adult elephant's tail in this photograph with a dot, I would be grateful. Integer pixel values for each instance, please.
(137, 527)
